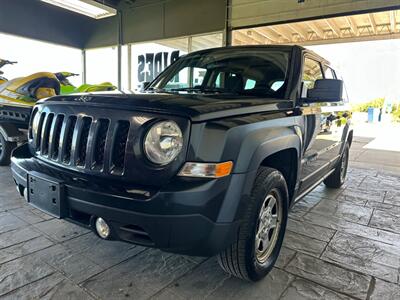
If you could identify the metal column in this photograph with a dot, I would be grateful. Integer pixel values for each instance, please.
(83, 66)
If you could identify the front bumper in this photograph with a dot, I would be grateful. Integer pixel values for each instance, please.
(198, 217)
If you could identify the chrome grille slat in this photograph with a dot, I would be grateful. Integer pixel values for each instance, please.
(83, 141)
(99, 144)
(44, 147)
(90, 144)
(68, 135)
(119, 146)
(75, 141)
(38, 134)
(108, 146)
(55, 137)
(61, 146)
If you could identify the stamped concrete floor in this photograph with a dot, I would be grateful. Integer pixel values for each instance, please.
(340, 244)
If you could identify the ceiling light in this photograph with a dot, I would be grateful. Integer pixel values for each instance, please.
(88, 8)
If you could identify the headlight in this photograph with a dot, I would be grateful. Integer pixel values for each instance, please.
(163, 142)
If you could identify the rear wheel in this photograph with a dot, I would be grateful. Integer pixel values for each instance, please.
(338, 177)
(260, 237)
(5, 150)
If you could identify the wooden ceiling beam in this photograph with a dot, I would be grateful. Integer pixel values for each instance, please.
(352, 25)
(265, 34)
(280, 33)
(269, 33)
(244, 38)
(372, 23)
(256, 36)
(392, 15)
(319, 32)
(332, 26)
(297, 30)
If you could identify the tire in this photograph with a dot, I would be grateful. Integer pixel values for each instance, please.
(242, 259)
(5, 151)
(338, 177)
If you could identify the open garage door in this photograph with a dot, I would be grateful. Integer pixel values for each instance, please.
(344, 29)
(368, 58)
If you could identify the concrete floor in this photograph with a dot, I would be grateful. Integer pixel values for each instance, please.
(340, 244)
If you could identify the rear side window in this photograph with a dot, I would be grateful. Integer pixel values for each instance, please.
(345, 94)
(311, 72)
(250, 84)
(329, 73)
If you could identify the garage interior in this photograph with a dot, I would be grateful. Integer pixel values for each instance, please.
(340, 244)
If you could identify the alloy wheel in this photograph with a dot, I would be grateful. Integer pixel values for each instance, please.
(268, 227)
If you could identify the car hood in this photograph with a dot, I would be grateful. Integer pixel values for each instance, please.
(197, 107)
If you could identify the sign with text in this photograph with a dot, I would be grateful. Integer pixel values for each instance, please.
(152, 64)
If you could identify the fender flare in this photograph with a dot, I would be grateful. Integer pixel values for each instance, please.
(264, 150)
(273, 146)
(347, 132)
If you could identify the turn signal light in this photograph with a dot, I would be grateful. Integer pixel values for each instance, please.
(206, 170)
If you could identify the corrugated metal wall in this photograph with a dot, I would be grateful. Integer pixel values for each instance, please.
(257, 12)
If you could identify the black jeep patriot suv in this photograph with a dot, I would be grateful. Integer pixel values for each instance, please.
(207, 160)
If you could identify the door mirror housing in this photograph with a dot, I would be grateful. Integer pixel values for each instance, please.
(325, 90)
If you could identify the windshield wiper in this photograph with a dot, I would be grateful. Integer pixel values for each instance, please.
(202, 90)
(153, 89)
(187, 89)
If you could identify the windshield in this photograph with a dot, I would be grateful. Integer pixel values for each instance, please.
(259, 72)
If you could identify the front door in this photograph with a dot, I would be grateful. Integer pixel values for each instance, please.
(323, 128)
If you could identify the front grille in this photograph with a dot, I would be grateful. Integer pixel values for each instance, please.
(82, 142)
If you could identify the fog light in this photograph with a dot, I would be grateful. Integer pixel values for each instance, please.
(102, 228)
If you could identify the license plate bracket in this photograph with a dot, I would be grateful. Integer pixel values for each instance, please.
(47, 194)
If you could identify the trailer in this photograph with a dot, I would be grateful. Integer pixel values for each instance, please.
(14, 123)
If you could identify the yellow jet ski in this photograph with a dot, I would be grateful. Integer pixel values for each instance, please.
(25, 91)
(17, 97)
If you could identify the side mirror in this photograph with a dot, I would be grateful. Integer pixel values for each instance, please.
(325, 90)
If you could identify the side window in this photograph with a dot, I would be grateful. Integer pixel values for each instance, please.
(329, 73)
(250, 84)
(187, 77)
(277, 85)
(198, 76)
(345, 94)
(311, 72)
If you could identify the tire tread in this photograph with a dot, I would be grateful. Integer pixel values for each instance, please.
(233, 259)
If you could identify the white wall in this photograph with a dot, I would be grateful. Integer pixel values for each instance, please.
(34, 56)
(370, 69)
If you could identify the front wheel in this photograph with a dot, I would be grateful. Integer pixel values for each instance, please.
(254, 253)
(5, 150)
(338, 177)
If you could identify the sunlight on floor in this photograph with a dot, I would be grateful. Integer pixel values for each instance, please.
(385, 135)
